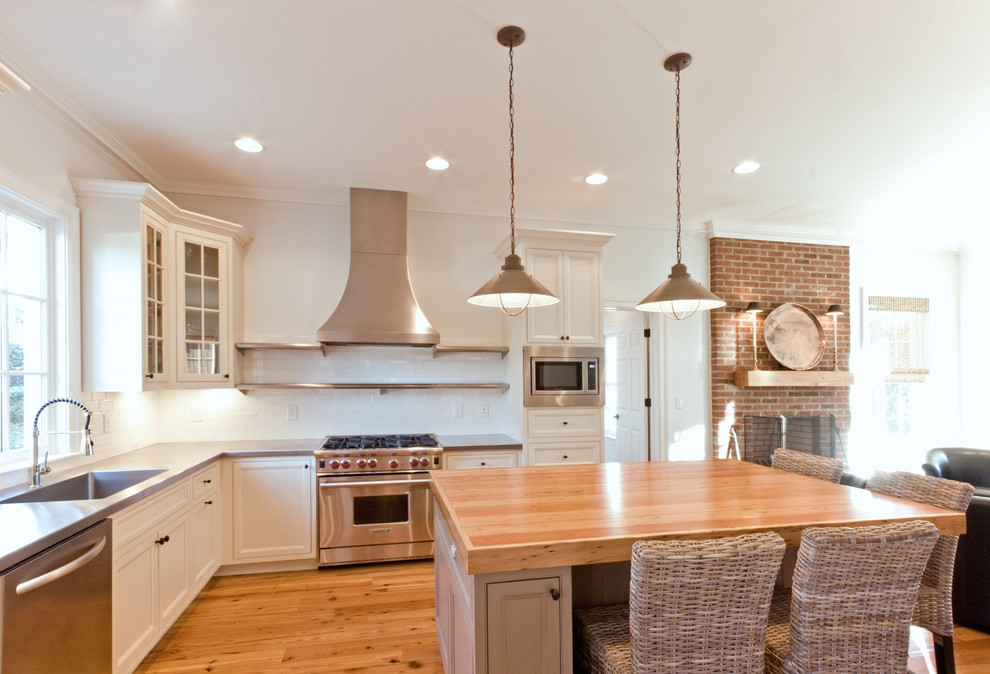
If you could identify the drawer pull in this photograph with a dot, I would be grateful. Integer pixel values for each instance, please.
(554, 594)
(162, 541)
(482, 463)
(565, 456)
(565, 423)
(207, 481)
(208, 503)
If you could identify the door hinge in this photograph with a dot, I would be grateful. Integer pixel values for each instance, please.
(646, 333)
(648, 402)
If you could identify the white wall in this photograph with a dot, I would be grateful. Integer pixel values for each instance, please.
(907, 273)
(974, 328)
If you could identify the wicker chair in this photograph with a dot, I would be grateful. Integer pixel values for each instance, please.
(933, 609)
(694, 606)
(812, 465)
(849, 609)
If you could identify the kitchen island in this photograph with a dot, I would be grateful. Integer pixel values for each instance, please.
(518, 548)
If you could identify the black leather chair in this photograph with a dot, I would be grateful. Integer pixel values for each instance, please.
(970, 588)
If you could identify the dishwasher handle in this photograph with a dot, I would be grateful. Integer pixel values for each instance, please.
(62, 571)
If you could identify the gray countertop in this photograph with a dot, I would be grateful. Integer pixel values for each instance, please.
(486, 441)
(28, 528)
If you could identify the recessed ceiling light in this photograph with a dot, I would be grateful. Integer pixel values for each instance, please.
(596, 179)
(248, 145)
(437, 163)
(746, 167)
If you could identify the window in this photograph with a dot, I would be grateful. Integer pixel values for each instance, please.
(24, 363)
(35, 314)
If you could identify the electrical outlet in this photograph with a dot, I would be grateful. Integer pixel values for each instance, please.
(458, 410)
(106, 423)
(291, 412)
(195, 416)
(483, 410)
(678, 403)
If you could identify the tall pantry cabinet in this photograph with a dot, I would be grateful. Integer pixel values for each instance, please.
(569, 264)
(162, 290)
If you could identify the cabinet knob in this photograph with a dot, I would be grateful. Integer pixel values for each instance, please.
(567, 337)
(565, 423)
(207, 481)
(306, 467)
(561, 338)
(226, 376)
(616, 416)
(162, 541)
(565, 456)
(554, 594)
(208, 503)
(150, 375)
(482, 463)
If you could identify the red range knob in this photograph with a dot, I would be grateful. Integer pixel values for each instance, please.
(392, 463)
(413, 462)
(372, 463)
(335, 464)
(345, 464)
(424, 461)
(361, 463)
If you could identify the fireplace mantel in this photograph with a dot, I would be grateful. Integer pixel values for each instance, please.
(792, 378)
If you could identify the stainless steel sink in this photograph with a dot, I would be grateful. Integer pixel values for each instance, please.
(86, 487)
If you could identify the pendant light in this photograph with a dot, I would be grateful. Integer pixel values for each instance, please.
(512, 290)
(679, 296)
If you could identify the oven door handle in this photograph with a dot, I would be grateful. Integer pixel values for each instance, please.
(348, 485)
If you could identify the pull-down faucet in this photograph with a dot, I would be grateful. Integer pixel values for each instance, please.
(37, 470)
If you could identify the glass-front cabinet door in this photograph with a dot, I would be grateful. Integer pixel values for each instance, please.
(157, 337)
(204, 341)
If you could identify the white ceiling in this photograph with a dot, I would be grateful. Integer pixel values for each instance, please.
(867, 116)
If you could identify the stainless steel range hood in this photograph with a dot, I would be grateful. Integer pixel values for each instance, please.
(378, 306)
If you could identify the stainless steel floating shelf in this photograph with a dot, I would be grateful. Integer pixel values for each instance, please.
(438, 350)
(382, 388)
(441, 349)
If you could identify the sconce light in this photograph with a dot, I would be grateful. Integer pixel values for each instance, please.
(752, 309)
(835, 310)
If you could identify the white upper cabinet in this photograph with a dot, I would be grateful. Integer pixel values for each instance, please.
(569, 264)
(162, 290)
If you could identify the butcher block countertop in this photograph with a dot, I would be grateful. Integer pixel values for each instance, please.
(511, 519)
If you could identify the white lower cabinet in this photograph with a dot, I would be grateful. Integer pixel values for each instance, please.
(205, 524)
(500, 623)
(576, 451)
(164, 552)
(481, 458)
(272, 510)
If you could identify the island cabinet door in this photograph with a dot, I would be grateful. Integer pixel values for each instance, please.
(524, 626)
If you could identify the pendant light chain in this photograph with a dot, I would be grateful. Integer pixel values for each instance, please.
(512, 160)
(677, 153)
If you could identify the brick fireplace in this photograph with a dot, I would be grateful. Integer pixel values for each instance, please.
(773, 273)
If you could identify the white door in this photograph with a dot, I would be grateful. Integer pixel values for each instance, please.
(626, 411)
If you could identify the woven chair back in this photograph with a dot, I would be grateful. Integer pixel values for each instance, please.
(853, 593)
(702, 606)
(812, 465)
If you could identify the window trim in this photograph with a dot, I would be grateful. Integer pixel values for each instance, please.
(61, 222)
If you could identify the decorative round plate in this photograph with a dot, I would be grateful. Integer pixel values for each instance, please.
(794, 336)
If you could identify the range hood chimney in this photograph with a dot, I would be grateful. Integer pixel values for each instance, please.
(378, 306)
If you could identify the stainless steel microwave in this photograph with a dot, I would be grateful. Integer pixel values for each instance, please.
(563, 376)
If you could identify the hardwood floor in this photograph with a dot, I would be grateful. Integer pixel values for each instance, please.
(371, 618)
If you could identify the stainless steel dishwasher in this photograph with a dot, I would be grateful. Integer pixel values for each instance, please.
(55, 607)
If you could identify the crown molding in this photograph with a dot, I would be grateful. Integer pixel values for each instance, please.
(783, 233)
(10, 82)
(55, 102)
(149, 196)
(233, 193)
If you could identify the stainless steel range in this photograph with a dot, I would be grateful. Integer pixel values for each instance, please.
(374, 501)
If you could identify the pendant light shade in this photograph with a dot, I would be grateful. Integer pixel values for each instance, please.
(512, 290)
(680, 296)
